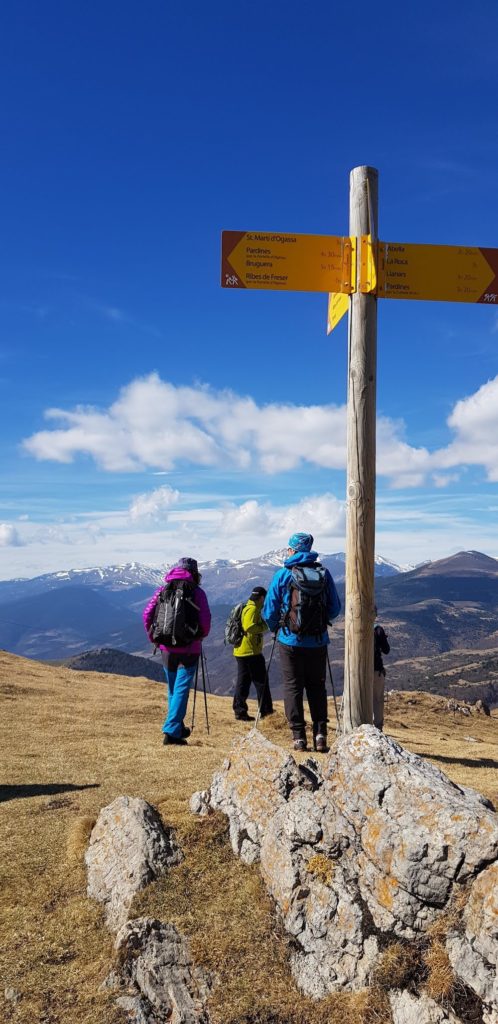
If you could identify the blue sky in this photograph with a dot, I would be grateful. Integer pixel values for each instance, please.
(146, 411)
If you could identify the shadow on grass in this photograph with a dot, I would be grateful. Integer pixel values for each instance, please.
(468, 762)
(41, 789)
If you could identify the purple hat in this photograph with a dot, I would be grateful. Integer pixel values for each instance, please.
(301, 542)
(189, 564)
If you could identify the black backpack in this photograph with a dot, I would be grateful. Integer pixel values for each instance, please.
(234, 634)
(176, 615)
(306, 614)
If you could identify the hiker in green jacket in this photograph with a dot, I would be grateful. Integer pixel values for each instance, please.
(251, 665)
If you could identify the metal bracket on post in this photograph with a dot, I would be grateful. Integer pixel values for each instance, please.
(368, 265)
(348, 258)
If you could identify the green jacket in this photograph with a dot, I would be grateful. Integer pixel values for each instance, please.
(254, 627)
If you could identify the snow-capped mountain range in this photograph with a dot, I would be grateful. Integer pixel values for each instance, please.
(224, 579)
(63, 613)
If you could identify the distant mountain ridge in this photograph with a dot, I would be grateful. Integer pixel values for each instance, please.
(222, 577)
(449, 605)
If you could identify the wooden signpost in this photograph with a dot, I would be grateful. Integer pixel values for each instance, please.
(356, 270)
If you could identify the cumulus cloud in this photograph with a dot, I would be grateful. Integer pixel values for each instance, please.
(9, 537)
(322, 515)
(154, 505)
(475, 422)
(156, 425)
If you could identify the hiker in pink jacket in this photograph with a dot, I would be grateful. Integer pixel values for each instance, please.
(180, 663)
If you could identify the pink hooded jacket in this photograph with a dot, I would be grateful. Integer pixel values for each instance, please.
(204, 613)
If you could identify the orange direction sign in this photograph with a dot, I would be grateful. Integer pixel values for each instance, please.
(450, 273)
(308, 263)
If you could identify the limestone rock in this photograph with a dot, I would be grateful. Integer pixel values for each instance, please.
(129, 847)
(474, 953)
(253, 783)
(156, 963)
(416, 832)
(373, 847)
(411, 1009)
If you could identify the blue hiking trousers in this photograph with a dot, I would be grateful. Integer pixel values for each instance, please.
(179, 670)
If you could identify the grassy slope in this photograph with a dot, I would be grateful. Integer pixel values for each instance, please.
(71, 744)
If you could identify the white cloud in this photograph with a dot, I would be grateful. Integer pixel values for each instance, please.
(156, 425)
(154, 505)
(9, 537)
(321, 515)
(443, 479)
(410, 528)
(475, 422)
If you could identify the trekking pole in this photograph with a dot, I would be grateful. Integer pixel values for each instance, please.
(333, 689)
(207, 673)
(205, 695)
(195, 695)
(267, 683)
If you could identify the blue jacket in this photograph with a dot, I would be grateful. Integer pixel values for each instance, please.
(278, 597)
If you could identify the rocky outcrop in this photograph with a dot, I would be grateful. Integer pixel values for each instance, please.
(474, 951)
(416, 834)
(408, 1008)
(161, 981)
(373, 848)
(253, 783)
(155, 978)
(129, 847)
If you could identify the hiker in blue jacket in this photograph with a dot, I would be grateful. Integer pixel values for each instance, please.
(303, 655)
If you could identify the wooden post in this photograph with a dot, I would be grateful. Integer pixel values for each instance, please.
(360, 484)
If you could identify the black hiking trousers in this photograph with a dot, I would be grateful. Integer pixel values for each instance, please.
(304, 670)
(252, 669)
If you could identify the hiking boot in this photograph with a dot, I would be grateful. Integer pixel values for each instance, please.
(185, 732)
(177, 740)
(320, 744)
(300, 745)
(244, 718)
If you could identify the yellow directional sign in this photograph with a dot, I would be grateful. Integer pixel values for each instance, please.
(310, 263)
(449, 273)
(338, 306)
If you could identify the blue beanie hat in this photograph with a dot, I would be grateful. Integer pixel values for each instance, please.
(301, 542)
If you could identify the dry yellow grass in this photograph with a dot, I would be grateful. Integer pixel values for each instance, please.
(440, 978)
(397, 965)
(71, 743)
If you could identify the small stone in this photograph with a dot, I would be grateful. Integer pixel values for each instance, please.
(199, 803)
(12, 995)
